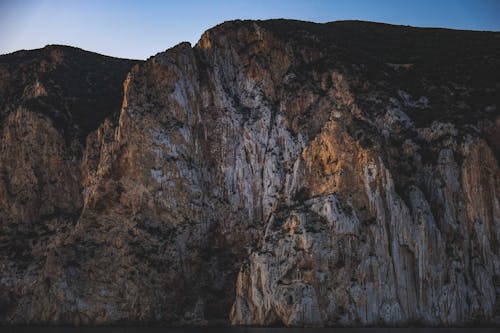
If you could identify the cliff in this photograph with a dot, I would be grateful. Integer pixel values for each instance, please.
(278, 172)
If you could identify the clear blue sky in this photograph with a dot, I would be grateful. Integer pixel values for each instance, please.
(139, 29)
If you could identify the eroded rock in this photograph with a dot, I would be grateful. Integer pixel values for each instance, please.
(278, 172)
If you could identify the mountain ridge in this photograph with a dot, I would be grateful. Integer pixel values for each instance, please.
(276, 173)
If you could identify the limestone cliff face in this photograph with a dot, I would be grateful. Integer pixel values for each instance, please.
(50, 100)
(278, 172)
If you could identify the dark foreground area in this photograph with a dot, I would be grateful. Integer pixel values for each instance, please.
(118, 329)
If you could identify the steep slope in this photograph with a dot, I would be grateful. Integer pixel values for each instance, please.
(50, 100)
(285, 172)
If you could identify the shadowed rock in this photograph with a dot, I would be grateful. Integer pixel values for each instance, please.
(278, 172)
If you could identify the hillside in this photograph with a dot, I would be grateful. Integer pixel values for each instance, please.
(276, 173)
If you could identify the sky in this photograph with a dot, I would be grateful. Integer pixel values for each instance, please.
(142, 28)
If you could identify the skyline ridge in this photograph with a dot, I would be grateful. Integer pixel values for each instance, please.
(136, 30)
(247, 20)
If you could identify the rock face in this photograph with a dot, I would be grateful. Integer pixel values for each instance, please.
(51, 99)
(278, 172)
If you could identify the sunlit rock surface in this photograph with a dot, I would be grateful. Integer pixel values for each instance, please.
(278, 172)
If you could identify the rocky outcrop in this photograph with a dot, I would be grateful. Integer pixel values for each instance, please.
(278, 172)
(50, 100)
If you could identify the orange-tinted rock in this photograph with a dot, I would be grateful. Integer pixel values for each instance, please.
(277, 172)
